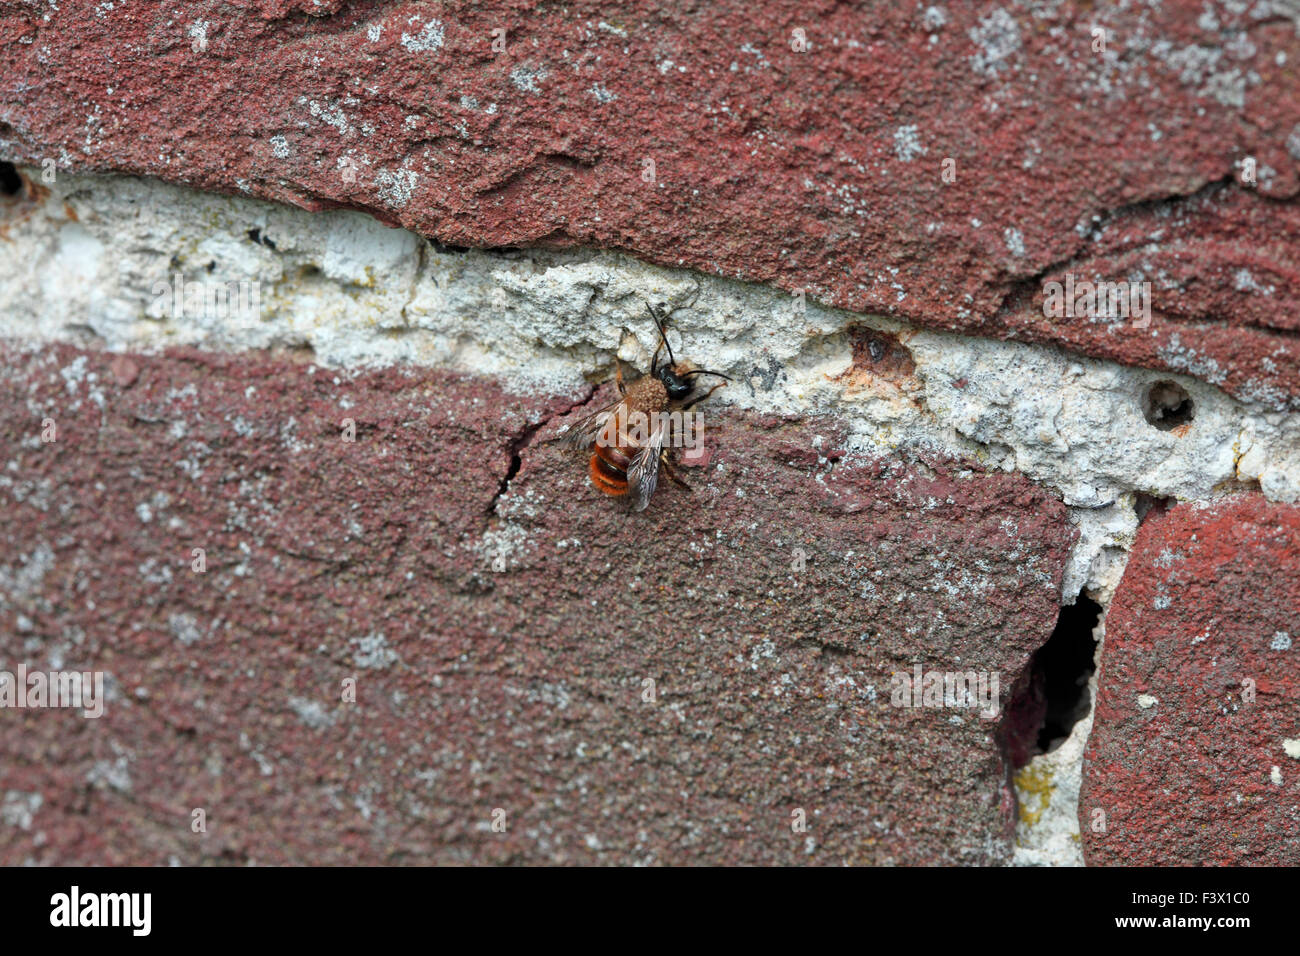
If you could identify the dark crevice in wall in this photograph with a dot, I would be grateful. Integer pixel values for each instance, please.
(521, 442)
(1066, 663)
(11, 181)
(517, 446)
(1051, 695)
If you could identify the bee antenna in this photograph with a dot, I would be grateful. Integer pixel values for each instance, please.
(703, 371)
(662, 334)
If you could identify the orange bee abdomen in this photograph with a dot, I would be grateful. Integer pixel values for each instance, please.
(609, 470)
(606, 478)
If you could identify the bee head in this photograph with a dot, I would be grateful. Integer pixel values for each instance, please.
(676, 376)
(676, 382)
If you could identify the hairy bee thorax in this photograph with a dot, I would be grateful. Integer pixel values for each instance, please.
(647, 394)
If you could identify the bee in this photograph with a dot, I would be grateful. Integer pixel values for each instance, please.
(629, 435)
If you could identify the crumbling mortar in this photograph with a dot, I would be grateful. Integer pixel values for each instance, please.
(564, 314)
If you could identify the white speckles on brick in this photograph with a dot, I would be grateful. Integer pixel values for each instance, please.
(279, 147)
(1207, 68)
(1146, 701)
(1292, 748)
(1193, 62)
(1281, 641)
(19, 808)
(1239, 46)
(601, 94)
(428, 40)
(749, 48)
(557, 696)
(311, 713)
(1179, 356)
(525, 77)
(998, 38)
(1228, 87)
(505, 544)
(374, 32)
(372, 652)
(74, 374)
(396, 186)
(331, 115)
(907, 143)
(1015, 242)
(114, 774)
(24, 579)
(1167, 558)
(185, 628)
(1244, 281)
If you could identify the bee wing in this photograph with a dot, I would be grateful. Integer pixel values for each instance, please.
(643, 473)
(584, 432)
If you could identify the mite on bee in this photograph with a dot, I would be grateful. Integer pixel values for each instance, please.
(629, 436)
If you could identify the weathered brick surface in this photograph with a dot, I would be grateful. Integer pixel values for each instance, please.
(519, 689)
(1200, 694)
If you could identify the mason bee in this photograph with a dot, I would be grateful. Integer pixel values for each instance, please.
(629, 435)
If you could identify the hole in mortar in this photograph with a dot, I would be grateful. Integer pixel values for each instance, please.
(1166, 405)
(1051, 694)
(1065, 664)
(11, 181)
(1145, 506)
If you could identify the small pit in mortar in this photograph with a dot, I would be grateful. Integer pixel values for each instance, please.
(1166, 405)
(11, 181)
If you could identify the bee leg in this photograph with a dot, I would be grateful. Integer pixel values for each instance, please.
(671, 472)
(697, 401)
(618, 375)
